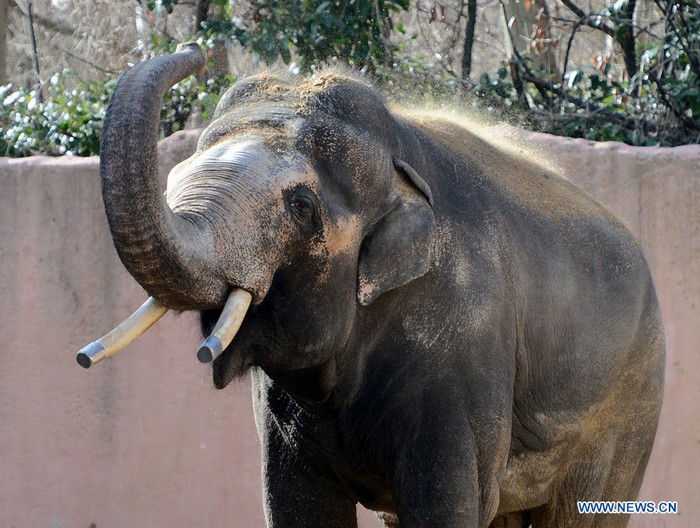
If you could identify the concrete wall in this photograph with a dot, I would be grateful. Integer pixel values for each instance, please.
(143, 440)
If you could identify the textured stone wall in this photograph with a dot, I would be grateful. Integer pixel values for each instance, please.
(144, 440)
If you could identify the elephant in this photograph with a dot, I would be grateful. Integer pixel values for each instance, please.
(440, 327)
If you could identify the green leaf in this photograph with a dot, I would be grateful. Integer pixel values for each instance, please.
(322, 7)
(285, 53)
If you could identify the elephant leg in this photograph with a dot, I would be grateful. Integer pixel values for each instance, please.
(613, 473)
(512, 520)
(443, 487)
(294, 494)
(295, 498)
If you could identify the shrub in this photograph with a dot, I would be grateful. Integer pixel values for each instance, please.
(70, 121)
(656, 99)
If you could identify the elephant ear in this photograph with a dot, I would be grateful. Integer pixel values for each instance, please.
(399, 248)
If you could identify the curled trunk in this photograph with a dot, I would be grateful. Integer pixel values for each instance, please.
(169, 254)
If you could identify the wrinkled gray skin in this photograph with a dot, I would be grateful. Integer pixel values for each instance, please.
(443, 331)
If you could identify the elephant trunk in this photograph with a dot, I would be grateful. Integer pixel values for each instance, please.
(169, 254)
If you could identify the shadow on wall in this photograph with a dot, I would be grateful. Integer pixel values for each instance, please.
(144, 439)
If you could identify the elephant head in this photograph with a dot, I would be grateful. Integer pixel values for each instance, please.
(305, 195)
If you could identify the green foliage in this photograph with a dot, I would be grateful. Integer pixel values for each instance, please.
(658, 104)
(154, 5)
(190, 95)
(70, 121)
(498, 91)
(316, 31)
(413, 77)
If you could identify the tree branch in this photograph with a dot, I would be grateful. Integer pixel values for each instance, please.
(468, 41)
(89, 63)
(201, 14)
(593, 21)
(58, 27)
(621, 119)
(35, 53)
(568, 50)
(49, 23)
(671, 104)
(629, 123)
(672, 27)
(3, 42)
(625, 37)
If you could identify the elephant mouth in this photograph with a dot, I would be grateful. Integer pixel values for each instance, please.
(228, 321)
(228, 358)
(233, 363)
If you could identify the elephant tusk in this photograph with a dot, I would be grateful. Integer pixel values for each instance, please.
(127, 332)
(226, 327)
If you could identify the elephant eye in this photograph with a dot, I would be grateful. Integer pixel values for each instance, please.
(302, 206)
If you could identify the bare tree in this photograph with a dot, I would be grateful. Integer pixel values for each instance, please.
(469, 34)
(3, 42)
